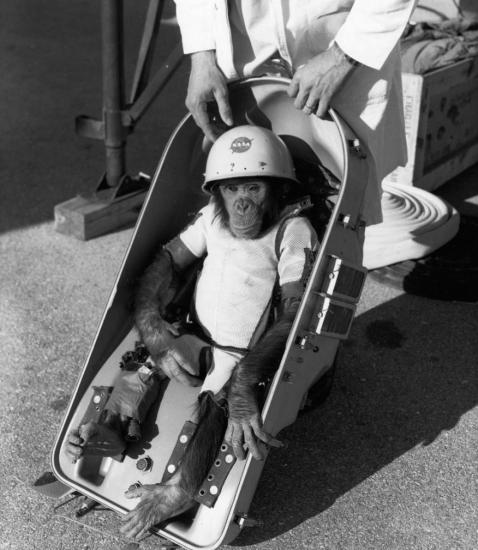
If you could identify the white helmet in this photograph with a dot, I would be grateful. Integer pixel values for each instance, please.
(246, 151)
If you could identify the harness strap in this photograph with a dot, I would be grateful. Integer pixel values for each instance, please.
(192, 326)
(290, 211)
(176, 457)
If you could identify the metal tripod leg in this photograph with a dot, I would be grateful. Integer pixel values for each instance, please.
(113, 84)
(118, 196)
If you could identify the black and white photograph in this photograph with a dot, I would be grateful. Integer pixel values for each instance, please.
(239, 274)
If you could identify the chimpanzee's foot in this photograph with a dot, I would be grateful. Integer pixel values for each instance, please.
(157, 504)
(101, 439)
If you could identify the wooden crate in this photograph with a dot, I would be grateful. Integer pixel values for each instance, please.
(441, 122)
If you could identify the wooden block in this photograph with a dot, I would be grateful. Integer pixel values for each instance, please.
(89, 217)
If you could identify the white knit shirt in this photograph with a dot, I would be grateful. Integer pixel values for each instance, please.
(234, 290)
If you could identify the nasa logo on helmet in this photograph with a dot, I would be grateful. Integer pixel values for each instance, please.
(241, 144)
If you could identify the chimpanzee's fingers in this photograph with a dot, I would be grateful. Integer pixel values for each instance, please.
(259, 432)
(228, 434)
(174, 371)
(251, 442)
(73, 446)
(268, 439)
(183, 361)
(73, 452)
(74, 437)
(142, 533)
(186, 379)
(138, 531)
(88, 431)
(135, 492)
(172, 328)
(234, 437)
(131, 526)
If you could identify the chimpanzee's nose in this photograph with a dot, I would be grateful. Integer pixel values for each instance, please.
(242, 206)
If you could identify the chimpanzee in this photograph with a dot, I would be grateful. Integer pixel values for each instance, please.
(257, 255)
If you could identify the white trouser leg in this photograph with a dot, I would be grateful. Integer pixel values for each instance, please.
(221, 370)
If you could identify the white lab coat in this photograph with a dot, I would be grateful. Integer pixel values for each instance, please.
(367, 30)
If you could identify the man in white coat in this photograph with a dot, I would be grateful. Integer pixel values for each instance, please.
(342, 53)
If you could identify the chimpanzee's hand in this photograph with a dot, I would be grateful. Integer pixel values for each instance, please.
(244, 427)
(175, 366)
(246, 433)
(157, 503)
(73, 447)
(168, 353)
(180, 361)
(93, 439)
(157, 334)
(315, 83)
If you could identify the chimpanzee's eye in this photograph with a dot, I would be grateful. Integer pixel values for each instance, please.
(253, 188)
(232, 188)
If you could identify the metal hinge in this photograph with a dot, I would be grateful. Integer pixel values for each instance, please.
(356, 147)
(243, 520)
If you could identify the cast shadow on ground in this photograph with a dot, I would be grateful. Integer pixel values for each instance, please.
(403, 378)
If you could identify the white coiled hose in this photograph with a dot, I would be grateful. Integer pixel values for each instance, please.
(415, 223)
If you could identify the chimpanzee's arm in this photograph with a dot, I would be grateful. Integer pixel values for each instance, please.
(259, 365)
(158, 283)
(155, 290)
(152, 295)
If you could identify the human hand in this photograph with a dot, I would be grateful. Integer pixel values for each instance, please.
(315, 84)
(207, 83)
(246, 433)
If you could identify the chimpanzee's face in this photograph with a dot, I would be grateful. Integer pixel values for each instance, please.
(245, 200)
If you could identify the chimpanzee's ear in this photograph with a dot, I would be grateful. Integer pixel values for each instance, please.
(214, 189)
(285, 188)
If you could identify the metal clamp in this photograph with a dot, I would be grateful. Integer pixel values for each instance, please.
(343, 280)
(349, 222)
(97, 404)
(243, 520)
(356, 147)
(334, 317)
